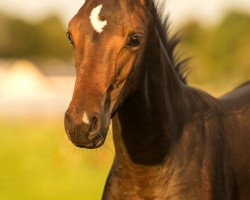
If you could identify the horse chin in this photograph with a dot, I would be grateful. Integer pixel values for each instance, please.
(95, 143)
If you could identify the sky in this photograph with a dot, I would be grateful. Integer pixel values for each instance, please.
(207, 11)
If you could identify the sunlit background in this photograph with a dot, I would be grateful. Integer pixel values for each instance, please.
(37, 78)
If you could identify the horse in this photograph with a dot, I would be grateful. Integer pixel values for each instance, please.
(172, 141)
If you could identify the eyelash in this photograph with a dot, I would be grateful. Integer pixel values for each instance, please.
(135, 40)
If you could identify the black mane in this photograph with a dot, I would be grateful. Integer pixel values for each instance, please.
(170, 43)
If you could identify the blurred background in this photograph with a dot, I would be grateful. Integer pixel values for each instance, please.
(37, 78)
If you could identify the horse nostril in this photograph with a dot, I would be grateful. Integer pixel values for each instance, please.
(93, 123)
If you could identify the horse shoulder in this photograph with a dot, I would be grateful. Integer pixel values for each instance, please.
(204, 169)
(237, 134)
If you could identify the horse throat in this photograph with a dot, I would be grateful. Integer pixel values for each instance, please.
(150, 119)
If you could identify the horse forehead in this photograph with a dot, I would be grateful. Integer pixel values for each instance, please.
(96, 15)
(114, 11)
(98, 20)
(106, 7)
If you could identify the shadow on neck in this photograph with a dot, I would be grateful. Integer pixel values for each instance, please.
(151, 119)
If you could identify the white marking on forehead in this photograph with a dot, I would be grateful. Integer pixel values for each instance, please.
(85, 118)
(97, 24)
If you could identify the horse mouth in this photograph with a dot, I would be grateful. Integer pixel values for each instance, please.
(97, 142)
(101, 138)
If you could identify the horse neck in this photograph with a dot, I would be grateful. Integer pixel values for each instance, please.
(150, 119)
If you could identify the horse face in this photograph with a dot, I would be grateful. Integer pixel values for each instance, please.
(108, 37)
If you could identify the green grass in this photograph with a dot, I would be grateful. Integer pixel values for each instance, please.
(38, 162)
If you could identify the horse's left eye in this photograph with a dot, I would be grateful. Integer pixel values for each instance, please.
(135, 40)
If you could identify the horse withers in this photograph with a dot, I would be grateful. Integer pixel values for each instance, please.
(171, 141)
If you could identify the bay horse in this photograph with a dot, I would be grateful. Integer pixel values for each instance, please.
(172, 141)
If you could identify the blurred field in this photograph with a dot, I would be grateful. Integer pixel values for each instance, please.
(38, 162)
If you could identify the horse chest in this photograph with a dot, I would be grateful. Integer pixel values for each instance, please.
(155, 184)
(154, 188)
(137, 186)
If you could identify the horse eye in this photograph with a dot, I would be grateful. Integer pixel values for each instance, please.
(70, 38)
(135, 40)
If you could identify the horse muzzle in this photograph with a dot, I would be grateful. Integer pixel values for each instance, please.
(85, 132)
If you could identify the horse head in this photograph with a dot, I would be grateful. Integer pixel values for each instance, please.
(109, 38)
